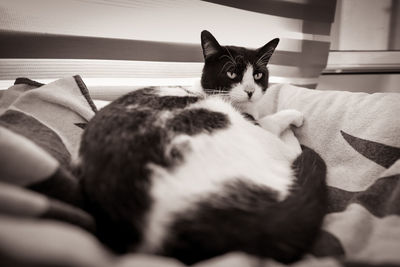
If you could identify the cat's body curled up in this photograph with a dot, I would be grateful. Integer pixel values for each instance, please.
(179, 174)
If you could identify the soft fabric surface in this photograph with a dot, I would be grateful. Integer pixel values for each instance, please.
(42, 224)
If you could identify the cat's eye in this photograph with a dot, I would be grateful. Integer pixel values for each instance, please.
(258, 76)
(231, 75)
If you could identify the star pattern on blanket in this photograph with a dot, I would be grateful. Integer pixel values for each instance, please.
(381, 154)
(81, 125)
(377, 197)
(380, 199)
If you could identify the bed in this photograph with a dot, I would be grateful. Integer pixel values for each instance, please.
(42, 224)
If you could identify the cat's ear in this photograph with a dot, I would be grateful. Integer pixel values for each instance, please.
(265, 52)
(209, 44)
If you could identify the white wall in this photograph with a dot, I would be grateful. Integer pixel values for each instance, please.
(369, 83)
(362, 25)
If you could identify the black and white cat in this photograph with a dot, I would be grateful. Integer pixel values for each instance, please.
(237, 72)
(171, 172)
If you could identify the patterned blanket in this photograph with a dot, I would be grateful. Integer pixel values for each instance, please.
(358, 135)
(42, 223)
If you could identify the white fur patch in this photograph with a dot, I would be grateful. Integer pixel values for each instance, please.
(241, 151)
(132, 107)
(238, 93)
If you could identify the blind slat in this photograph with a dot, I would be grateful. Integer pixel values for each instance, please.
(29, 45)
(316, 10)
(162, 32)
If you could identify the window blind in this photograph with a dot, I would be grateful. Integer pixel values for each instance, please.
(138, 42)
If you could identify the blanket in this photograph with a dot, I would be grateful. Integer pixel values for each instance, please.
(42, 222)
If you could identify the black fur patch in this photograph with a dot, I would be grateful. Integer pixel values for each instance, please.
(197, 120)
(220, 223)
(250, 118)
(116, 146)
(248, 218)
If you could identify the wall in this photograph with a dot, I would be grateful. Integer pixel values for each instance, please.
(366, 39)
(366, 25)
(369, 83)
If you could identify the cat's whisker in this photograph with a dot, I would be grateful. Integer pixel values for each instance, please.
(231, 63)
(264, 59)
(263, 63)
(223, 56)
(239, 57)
(226, 66)
(230, 56)
(227, 95)
(235, 94)
(223, 96)
(267, 55)
(217, 90)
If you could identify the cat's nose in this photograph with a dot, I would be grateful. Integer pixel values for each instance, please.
(249, 90)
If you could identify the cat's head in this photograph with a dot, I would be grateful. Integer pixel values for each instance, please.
(236, 72)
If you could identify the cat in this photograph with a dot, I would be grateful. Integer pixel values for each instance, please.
(170, 172)
(239, 73)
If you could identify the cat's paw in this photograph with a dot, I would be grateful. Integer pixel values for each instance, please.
(297, 118)
(288, 117)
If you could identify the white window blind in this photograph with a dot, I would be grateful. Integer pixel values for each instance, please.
(134, 41)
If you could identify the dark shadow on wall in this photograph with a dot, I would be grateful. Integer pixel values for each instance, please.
(394, 35)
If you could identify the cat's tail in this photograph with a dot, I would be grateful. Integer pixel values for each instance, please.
(299, 223)
(310, 171)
